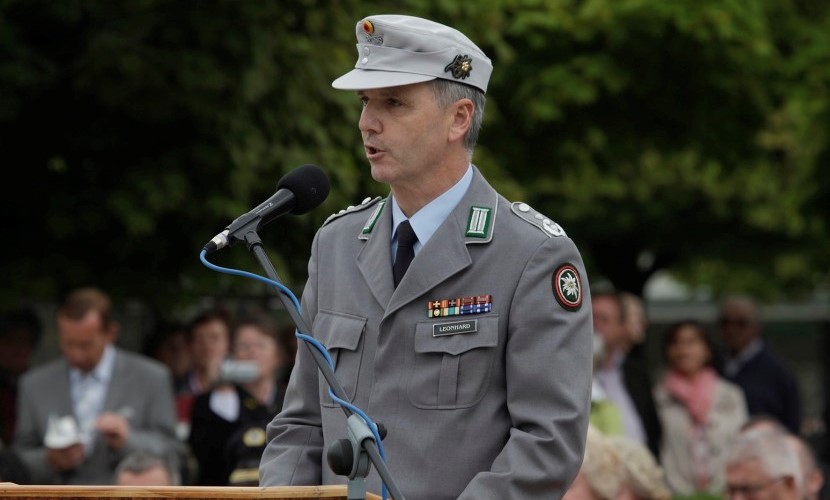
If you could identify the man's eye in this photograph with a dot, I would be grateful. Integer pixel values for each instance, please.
(394, 103)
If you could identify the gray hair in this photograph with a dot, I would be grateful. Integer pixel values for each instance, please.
(770, 448)
(139, 462)
(447, 92)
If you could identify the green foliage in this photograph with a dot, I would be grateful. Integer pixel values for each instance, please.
(672, 135)
(684, 135)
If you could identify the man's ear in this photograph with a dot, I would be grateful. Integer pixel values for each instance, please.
(462, 119)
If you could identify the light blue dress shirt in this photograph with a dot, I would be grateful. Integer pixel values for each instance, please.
(89, 391)
(428, 218)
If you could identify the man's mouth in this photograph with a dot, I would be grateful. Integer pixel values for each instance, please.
(372, 150)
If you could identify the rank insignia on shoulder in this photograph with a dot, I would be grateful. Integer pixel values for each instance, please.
(567, 287)
(367, 202)
(530, 215)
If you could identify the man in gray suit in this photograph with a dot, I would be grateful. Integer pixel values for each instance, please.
(78, 416)
(477, 358)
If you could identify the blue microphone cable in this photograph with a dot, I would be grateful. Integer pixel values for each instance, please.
(304, 336)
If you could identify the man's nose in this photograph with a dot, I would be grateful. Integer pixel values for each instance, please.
(368, 122)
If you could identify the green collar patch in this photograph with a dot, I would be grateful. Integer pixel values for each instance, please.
(370, 224)
(478, 224)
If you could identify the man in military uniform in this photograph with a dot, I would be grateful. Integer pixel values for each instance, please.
(477, 357)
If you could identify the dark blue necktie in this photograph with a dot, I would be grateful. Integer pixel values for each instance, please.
(406, 250)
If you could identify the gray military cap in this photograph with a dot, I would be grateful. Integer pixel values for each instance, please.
(397, 50)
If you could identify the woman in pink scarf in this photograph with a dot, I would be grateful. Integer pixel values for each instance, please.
(701, 412)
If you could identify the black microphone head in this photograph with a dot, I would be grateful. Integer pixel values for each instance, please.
(310, 186)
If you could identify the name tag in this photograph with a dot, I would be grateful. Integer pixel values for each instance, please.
(454, 327)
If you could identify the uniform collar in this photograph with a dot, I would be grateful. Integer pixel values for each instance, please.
(444, 256)
(426, 220)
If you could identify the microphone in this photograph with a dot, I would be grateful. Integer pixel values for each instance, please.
(298, 191)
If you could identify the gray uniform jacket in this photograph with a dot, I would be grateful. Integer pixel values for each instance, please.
(140, 388)
(499, 411)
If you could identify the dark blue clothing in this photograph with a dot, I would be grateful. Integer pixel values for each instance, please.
(770, 388)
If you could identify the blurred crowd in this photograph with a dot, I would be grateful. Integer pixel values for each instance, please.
(717, 420)
(189, 409)
(720, 418)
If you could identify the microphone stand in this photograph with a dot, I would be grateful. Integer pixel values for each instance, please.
(363, 439)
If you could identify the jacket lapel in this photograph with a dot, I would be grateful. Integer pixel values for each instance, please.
(445, 254)
(375, 259)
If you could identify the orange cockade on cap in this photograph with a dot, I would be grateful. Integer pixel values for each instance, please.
(368, 27)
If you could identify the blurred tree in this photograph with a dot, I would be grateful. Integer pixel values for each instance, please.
(686, 135)
(139, 129)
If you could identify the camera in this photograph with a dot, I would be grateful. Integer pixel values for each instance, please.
(238, 372)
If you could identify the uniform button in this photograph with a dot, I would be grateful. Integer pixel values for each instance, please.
(366, 200)
(539, 216)
(555, 229)
(350, 207)
(524, 207)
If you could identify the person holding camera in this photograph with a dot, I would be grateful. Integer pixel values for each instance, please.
(228, 422)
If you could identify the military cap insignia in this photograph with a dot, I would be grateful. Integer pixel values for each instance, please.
(567, 287)
(369, 33)
(460, 67)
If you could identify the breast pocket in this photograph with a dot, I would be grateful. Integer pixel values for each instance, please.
(342, 334)
(452, 370)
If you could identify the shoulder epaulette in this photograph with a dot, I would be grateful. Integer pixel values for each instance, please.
(527, 213)
(366, 203)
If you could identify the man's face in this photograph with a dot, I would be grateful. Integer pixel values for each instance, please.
(738, 325)
(405, 134)
(747, 480)
(252, 344)
(210, 343)
(608, 322)
(83, 341)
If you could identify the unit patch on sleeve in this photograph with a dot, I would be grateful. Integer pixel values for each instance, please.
(567, 287)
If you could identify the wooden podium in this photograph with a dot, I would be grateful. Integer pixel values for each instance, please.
(21, 492)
